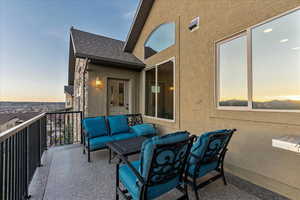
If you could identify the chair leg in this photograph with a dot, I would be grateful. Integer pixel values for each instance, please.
(186, 191)
(89, 155)
(224, 178)
(195, 189)
(109, 159)
(117, 181)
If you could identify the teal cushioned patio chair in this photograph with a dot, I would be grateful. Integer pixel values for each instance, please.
(160, 168)
(207, 155)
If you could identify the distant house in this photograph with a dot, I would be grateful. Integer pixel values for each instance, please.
(69, 92)
(200, 66)
(8, 121)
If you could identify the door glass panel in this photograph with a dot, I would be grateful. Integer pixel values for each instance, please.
(121, 94)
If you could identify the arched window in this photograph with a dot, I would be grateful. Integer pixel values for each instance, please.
(160, 39)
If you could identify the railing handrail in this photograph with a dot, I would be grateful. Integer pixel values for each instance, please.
(6, 134)
(63, 112)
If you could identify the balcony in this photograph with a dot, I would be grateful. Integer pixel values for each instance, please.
(42, 159)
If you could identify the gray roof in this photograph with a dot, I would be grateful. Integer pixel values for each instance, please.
(101, 48)
(6, 118)
(138, 23)
(69, 89)
(21, 116)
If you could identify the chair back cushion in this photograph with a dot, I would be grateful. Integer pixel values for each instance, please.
(163, 158)
(144, 129)
(209, 146)
(118, 124)
(95, 126)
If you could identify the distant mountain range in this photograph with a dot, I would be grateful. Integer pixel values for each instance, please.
(274, 104)
(23, 107)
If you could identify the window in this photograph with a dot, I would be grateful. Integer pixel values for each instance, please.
(271, 52)
(159, 91)
(160, 39)
(233, 72)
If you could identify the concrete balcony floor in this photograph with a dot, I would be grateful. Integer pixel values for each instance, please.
(66, 175)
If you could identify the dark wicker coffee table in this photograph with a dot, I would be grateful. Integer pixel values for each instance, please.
(126, 147)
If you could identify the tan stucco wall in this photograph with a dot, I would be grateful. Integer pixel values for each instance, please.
(97, 97)
(251, 155)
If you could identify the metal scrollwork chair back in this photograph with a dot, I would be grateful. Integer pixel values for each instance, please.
(207, 155)
(168, 162)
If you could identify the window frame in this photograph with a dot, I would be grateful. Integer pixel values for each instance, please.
(248, 33)
(174, 91)
(153, 31)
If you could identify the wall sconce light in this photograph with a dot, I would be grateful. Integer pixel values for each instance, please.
(99, 83)
(171, 88)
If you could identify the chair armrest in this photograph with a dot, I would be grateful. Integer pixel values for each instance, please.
(136, 173)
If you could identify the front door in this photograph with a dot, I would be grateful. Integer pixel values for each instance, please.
(118, 96)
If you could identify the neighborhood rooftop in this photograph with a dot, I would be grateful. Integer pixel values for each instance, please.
(69, 89)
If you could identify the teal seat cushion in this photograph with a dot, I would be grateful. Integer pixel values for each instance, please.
(123, 136)
(203, 170)
(129, 181)
(144, 129)
(198, 149)
(95, 127)
(118, 124)
(99, 142)
(149, 146)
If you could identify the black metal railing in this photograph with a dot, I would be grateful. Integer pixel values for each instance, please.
(64, 128)
(22, 147)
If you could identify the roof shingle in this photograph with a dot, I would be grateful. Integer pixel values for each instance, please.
(102, 48)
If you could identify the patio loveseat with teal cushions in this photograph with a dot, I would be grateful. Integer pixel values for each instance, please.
(97, 131)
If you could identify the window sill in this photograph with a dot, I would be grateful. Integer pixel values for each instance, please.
(159, 119)
(277, 117)
(238, 108)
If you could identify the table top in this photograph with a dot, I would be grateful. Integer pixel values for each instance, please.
(127, 147)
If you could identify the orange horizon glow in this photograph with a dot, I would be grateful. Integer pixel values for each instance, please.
(266, 99)
(20, 99)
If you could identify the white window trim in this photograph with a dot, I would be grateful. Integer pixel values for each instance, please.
(248, 34)
(174, 91)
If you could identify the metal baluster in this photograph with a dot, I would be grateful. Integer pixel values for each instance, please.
(18, 166)
(23, 162)
(59, 132)
(55, 129)
(13, 166)
(68, 128)
(73, 127)
(26, 162)
(6, 170)
(51, 134)
(1, 169)
(10, 168)
(76, 124)
(81, 133)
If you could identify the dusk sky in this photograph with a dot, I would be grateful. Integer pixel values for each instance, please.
(34, 41)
